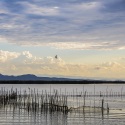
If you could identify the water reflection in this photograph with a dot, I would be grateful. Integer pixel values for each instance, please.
(13, 115)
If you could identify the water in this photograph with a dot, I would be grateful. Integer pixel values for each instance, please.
(14, 115)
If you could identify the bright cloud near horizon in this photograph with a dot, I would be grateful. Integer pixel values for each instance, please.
(86, 35)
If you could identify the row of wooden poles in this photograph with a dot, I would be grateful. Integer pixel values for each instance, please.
(32, 100)
(79, 94)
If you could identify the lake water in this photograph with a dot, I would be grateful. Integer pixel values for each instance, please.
(113, 95)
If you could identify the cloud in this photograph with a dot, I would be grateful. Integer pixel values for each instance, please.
(5, 26)
(7, 56)
(2, 39)
(42, 23)
(87, 5)
(13, 68)
(111, 66)
(27, 54)
(25, 62)
(86, 45)
(3, 9)
(114, 6)
(39, 10)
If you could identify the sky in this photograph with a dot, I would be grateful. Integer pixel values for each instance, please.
(88, 37)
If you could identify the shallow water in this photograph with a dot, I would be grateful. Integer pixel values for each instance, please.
(13, 115)
(22, 117)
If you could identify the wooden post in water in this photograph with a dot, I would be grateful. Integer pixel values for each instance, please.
(107, 109)
(102, 108)
(84, 101)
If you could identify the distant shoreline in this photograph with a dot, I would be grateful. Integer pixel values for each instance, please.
(60, 82)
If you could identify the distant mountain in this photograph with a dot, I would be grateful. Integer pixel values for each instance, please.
(29, 77)
(32, 78)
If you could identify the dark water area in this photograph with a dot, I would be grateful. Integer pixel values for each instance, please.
(84, 103)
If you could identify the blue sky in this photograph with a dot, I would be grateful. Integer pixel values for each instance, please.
(87, 35)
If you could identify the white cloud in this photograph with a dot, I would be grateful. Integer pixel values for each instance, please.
(27, 54)
(27, 63)
(6, 26)
(40, 10)
(110, 67)
(85, 45)
(7, 56)
(88, 5)
(122, 48)
(11, 26)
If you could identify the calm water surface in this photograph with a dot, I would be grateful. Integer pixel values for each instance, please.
(13, 115)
